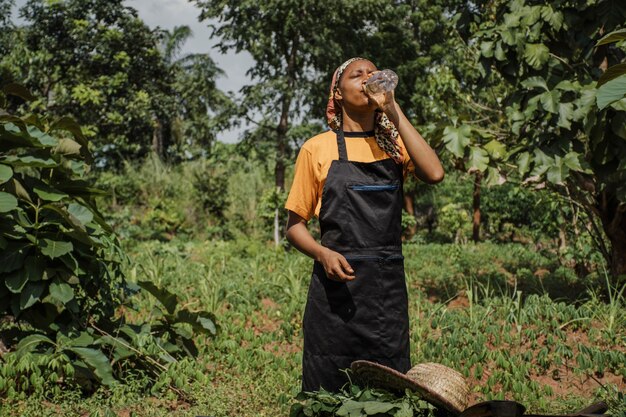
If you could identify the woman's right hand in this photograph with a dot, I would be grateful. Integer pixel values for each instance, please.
(336, 266)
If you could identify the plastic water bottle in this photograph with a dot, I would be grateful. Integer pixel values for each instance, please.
(383, 81)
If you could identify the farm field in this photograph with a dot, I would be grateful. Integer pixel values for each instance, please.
(515, 323)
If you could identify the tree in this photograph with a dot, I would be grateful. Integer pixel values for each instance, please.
(295, 46)
(99, 63)
(201, 108)
(556, 132)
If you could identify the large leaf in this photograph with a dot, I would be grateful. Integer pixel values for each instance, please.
(80, 212)
(54, 249)
(45, 192)
(30, 343)
(5, 173)
(18, 91)
(377, 407)
(611, 73)
(68, 147)
(13, 256)
(566, 113)
(534, 82)
(523, 162)
(536, 54)
(611, 91)
(16, 280)
(618, 35)
(478, 158)
(61, 291)
(169, 300)
(7, 202)
(31, 293)
(457, 139)
(495, 149)
(98, 362)
(31, 161)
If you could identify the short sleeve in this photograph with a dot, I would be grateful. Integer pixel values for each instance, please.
(303, 195)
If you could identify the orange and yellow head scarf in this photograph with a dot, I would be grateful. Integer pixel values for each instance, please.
(385, 132)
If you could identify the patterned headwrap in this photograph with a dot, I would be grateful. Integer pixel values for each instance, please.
(385, 132)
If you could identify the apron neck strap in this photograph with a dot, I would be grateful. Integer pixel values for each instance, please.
(341, 145)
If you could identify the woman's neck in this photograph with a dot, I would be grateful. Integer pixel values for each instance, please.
(357, 122)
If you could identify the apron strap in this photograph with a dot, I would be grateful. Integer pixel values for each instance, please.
(341, 145)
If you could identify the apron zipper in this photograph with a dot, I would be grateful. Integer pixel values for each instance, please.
(359, 187)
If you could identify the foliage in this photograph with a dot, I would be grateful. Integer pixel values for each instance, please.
(356, 401)
(62, 281)
(99, 63)
(554, 131)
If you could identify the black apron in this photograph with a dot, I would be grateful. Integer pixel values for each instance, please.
(366, 318)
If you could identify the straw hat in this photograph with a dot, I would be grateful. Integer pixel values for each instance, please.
(439, 385)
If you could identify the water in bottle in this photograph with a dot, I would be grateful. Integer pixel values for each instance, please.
(383, 81)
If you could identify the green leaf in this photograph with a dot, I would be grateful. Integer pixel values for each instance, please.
(478, 158)
(45, 192)
(611, 73)
(18, 91)
(554, 18)
(31, 293)
(169, 300)
(350, 408)
(566, 113)
(572, 161)
(68, 147)
(611, 91)
(13, 256)
(486, 49)
(523, 162)
(80, 212)
(34, 268)
(534, 82)
(16, 280)
(557, 172)
(30, 343)
(457, 139)
(61, 291)
(618, 35)
(31, 161)
(7, 202)
(54, 249)
(495, 149)
(5, 173)
(376, 407)
(98, 362)
(536, 54)
(550, 100)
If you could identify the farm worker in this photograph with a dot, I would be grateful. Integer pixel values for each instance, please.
(351, 178)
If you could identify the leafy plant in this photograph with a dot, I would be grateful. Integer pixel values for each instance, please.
(355, 401)
(61, 270)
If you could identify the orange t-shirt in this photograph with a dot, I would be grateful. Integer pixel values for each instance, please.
(313, 163)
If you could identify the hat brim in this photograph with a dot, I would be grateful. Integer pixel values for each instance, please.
(376, 375)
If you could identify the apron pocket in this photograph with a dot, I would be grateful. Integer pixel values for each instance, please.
(370, 208)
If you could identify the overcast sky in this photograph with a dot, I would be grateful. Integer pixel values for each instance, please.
(170, 13)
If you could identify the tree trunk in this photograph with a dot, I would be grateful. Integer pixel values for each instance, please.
(478, 177)
(409, 206)
(157, 137)
(613, 216)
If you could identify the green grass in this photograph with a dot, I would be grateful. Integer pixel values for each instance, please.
(503, 315)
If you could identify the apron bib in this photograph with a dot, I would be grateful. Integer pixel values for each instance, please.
(366, 318)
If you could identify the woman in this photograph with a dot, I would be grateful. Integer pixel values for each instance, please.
(351, 178)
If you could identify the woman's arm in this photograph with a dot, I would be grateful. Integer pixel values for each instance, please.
(427, 165)
(335, 264)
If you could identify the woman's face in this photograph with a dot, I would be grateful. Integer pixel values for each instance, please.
(350, 91)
